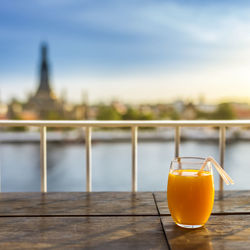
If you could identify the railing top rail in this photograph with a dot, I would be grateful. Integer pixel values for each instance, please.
(155, 123)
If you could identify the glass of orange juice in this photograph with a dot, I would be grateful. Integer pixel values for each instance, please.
(190, 191)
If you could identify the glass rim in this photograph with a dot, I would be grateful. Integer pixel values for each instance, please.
(187, 160)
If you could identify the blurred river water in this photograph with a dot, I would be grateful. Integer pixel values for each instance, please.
(111, 165)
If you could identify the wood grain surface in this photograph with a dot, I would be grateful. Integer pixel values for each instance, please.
(108, 203)
(117, 220)
(221, 232)
(232, 202)
(82, 233)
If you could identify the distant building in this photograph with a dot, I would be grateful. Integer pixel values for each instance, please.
(45, 103)
(241, 110)
(179, 106)
(189, 112)
(208, 108)
(3, 111)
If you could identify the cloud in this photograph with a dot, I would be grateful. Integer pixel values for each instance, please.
(154, 42)
(174, 32)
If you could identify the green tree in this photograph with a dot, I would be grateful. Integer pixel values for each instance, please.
(224, 111)
(174, 115)
(53, 115)
(131, 114)
(168, 114)
(134, 114)
(107, 113)
(201, 115)
(146, 116)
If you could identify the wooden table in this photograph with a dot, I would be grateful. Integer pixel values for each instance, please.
(117, 221)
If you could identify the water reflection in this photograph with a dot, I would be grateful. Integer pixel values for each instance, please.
(111, 165)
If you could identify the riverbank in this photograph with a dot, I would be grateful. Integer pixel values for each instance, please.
(115, 135)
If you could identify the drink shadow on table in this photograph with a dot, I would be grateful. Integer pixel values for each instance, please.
(196, 238)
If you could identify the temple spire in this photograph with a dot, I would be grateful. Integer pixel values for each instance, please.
(44, 103)
(44, 87)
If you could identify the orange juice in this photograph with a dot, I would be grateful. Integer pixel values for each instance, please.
(190, 196)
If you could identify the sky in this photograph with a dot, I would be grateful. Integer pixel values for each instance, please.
(129, 50)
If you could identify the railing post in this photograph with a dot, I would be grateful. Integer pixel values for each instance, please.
(177, 141)
(43, 159)
(88, 159)
(134, 132)
(222, 145)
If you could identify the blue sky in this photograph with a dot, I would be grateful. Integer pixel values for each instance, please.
(133, 50)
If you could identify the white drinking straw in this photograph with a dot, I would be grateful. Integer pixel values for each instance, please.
(228, 180)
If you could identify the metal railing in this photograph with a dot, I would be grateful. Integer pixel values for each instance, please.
(134, 125)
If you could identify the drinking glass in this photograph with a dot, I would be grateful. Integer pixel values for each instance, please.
(190, 191)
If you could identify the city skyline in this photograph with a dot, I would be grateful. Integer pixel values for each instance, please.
(134, 51)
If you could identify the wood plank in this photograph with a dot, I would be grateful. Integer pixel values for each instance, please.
(221, 232)
(82, 233)
(118, 203)
(232, 202)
